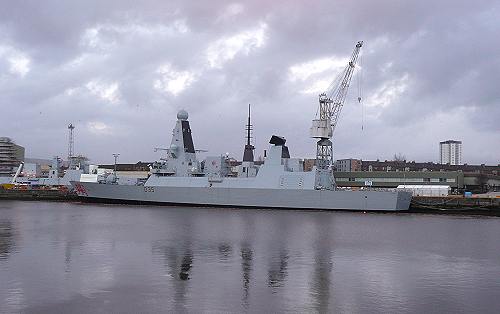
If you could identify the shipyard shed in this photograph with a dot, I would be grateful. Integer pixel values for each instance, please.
(426, 190)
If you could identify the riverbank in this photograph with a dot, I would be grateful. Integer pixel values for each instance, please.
(456, 205)
(453, 202)
(62, 195)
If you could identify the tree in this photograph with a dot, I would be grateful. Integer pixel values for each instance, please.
(399, 157)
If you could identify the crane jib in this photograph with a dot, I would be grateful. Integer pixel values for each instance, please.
(329, 112)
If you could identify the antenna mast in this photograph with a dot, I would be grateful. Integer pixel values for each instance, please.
(248, 127)
(248, 153)
(71, 127)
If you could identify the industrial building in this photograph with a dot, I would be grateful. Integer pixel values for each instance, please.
(36, 167)
(11, 155)
(392, 165)
(450, 152)
(391, 173)
(391, 179)
(426, 190)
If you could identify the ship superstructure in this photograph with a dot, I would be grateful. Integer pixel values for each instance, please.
(182, 168)
(181, 158)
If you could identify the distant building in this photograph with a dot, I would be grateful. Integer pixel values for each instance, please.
(36, 167)
(475, 177)
(392, 165)
(32, 170)
(450, 152)
(426, 190)
(19, 152)
(347, 165)
(11, 155)
(391, 179)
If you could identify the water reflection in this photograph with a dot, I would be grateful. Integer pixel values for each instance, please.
(246, 269)
(277, 273)
(67, 256)
(178, 263)
(6, 239)
(225, 252)
(320, 283)
(187, 262)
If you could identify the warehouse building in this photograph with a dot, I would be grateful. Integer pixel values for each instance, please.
(391, 179)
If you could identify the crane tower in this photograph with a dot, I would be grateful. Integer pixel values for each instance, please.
(330, 106)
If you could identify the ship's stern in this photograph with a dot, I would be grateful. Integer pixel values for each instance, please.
(403, 200)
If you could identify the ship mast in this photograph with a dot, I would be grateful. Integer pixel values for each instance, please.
(249, 148)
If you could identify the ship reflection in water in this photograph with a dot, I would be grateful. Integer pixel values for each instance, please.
(6, 239)
(60, 258)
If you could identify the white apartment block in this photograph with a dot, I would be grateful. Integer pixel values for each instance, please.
(450, 152)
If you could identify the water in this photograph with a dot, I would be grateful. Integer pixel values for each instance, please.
(77, 258)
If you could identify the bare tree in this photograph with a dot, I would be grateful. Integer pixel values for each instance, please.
(399, 157)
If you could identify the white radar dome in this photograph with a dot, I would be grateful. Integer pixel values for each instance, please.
(182, 115)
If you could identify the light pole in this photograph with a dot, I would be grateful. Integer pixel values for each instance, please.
(116, 158)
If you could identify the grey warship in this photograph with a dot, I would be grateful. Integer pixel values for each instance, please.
(280, 182)
(181, 179)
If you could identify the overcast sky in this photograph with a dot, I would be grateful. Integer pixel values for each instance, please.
(120, 70)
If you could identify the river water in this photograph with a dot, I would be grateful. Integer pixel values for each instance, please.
(80, 258)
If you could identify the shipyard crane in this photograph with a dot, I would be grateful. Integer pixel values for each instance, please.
(330, 106)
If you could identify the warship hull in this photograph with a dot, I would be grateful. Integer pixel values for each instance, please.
(245, 197)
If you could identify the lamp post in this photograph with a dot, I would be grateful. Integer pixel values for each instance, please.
(116, 158)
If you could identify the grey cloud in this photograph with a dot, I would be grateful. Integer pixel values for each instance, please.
(446, 50)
